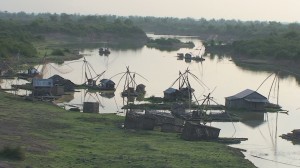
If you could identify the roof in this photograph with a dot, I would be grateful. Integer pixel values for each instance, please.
(60, 80)
(42, 82)
(106, 81)
(170, 90)
(243, 94)
(56, 77)
(248, 95)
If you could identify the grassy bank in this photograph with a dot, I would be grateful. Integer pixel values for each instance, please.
(52, 137)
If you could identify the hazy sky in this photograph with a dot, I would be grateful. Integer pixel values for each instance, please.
(262, 10)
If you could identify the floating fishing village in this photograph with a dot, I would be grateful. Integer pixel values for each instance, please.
(111, 91)
(179, 110)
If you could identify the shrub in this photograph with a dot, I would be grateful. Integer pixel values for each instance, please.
(57, 52)
(14, 153)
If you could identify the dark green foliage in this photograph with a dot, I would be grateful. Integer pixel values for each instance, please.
(221, 29)
(284, 46)
(58, 52)
(164, 41)
(19, 30)
(14, 41)
(168, 44)
(13, 153)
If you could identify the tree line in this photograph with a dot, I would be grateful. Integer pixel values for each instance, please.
(19, 30)
(279, 46)
(221, 29)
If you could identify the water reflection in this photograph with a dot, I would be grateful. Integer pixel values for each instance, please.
(252, 119)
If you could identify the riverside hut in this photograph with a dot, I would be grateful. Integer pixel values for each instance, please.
(170, 94)
(248, 100)
(60, 81)
(42, 87)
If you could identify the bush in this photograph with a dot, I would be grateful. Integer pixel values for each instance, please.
(14, 153)
(57, 52)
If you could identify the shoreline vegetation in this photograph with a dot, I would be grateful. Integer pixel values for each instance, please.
(275, 53)
(168, 44)
(45, 135)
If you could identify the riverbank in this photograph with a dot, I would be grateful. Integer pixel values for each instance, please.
(49, 136)
(285, 67)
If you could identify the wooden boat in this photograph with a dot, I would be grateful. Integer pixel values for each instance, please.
(193, 131)
(104, 51)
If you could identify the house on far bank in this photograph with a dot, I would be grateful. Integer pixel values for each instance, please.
(247, 100)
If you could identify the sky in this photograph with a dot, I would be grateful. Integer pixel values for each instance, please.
(245, 10)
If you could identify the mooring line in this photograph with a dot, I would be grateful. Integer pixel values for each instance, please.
(275, 161)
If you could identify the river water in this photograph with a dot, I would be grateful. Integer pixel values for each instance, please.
(219, 75)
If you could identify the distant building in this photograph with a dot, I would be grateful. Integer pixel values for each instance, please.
(248, 100)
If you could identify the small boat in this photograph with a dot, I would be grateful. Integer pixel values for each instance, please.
(198, 58)
(180, 56)
(193, 131)
(188, 56)
(104, 51)
(106, 84)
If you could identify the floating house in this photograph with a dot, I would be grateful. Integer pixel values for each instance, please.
(183, 93)
(107, 84)
(140, 88)
(170, 94)
(42, 87)
(60, 81)
(248, 100)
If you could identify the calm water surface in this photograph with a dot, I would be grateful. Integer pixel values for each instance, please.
(219, 75)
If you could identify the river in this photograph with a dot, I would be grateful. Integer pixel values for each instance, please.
(220, 75)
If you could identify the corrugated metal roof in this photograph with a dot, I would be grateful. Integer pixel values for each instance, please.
(245, 93)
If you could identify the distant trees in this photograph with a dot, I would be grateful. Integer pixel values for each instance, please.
(251, 38)
(168, 44)
(275, 46)
(283, 46)
(221, 29)
(18, 30)
(14, 41)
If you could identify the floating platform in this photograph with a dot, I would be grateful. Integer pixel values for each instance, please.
(294, 136)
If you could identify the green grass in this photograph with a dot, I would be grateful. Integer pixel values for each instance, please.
(53, 137)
